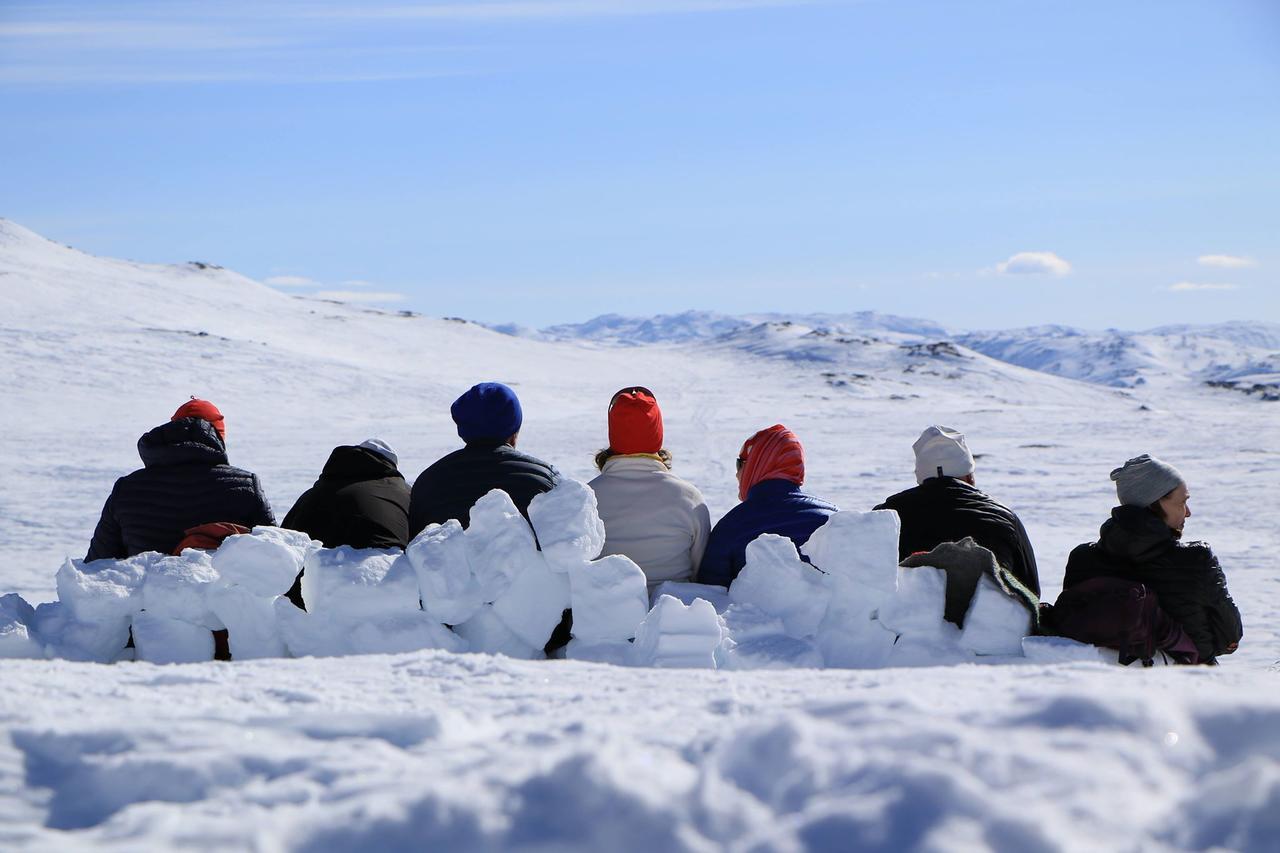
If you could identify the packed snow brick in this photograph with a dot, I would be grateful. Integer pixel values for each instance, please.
(850, 637)
(568, 525)
(104, 590)
(266, 561)
(485, 632)
(688, 592)
(996, 622)
(177, 587)
(616, 652)
(915, 609)
(161, 639)
(401, 632)
(16, 620)
(250, 619)
(535, 602)
(500, 543)
(859, 548)
(776, 581)
(440, 557)
(674, 634)
(355, 583)
(610, 598)
(773, 651)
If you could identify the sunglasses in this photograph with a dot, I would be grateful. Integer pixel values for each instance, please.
(632, 389)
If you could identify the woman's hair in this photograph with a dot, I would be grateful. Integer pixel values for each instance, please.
(605, 454)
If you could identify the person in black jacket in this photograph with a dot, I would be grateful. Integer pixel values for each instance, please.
(1141, 543)
(489, 419)
(185, 481)
(946, 506)
(361, 500)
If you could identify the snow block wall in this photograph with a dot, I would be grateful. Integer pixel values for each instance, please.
(502, 587)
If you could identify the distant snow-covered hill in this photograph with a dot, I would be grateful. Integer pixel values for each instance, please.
(1242, 356)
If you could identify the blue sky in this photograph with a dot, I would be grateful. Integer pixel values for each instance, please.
(982, 164)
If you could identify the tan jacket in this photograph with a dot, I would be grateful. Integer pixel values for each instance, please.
(652, 516)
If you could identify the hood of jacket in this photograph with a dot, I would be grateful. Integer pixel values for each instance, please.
(186, 441)
(1136, 534)
(352, 464)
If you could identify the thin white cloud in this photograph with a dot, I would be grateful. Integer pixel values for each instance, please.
(1226, 262)
(1034, 263)
(1193, 286)
(290, 281)
(357, 282)
(519, 10)
(371, 296)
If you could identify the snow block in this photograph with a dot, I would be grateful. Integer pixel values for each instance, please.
(161, 639)
(441, 559)
(568, 525)
(850, 637)
(534, 604)
(355, 583)
(995, 623)
(779, 583)
(688, 592)
(916, 607)
(265, 562)
(1062, 650)
(401, 632)
(16, 635)
(616, 652)
(177, 587)
(860, 548)
(771, 651)
(674, 634)
(307, 634)
(104, 590)
(500, 543)
(609, 598)
(252, 628)
(486, 633)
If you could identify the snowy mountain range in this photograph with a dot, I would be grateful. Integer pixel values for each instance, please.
(1243, 356)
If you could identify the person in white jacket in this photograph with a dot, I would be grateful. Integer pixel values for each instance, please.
(650, 515)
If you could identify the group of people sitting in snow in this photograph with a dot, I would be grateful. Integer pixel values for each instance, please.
(1139, 588)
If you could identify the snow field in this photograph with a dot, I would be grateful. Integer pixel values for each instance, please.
(500, 594)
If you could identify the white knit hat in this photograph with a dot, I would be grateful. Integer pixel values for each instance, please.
(381, 448)
(941, 452)
(1144, 479)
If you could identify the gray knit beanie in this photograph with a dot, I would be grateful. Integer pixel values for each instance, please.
(1144, 480)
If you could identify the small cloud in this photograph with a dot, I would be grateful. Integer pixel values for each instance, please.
(1034, 263)
(1226, 262)
(373, 296)
(289, 281)
(1192, 286)
(357, 282)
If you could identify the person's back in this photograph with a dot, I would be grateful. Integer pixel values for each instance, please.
(489, 420)
(770, 473)
(1141, 543)
(946, 506)
(360, 500)
(650, 515)
(186, 481)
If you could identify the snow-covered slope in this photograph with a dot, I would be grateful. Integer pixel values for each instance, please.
(477, 752)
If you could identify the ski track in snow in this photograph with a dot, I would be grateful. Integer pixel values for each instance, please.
(476, 752)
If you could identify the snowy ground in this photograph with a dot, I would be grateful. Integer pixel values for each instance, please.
(480, 752)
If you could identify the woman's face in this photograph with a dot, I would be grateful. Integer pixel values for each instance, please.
(1174, 508)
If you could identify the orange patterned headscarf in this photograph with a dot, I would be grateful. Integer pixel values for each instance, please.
(771, 454)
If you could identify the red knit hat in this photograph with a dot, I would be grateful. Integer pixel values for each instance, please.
(204, 410)
(771, 454)
(635, 422)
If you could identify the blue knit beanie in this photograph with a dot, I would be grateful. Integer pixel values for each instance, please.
(489, 411)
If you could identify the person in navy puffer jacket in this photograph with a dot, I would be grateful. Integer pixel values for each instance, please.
(770, 473)
(185, 481)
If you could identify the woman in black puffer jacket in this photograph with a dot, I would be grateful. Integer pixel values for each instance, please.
(1141, 543)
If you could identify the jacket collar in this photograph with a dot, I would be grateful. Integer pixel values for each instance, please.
(633, 462)
(772, 488)
(185, 441)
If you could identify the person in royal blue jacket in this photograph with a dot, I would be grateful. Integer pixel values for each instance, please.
(770, 473)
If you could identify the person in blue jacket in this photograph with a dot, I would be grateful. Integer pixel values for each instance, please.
(770, 473)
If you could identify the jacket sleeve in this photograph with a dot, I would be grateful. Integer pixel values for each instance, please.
(108, 541)
(262, 514)
(1027, 572)
(701, 533)
(717, 563)
(1224, 624)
